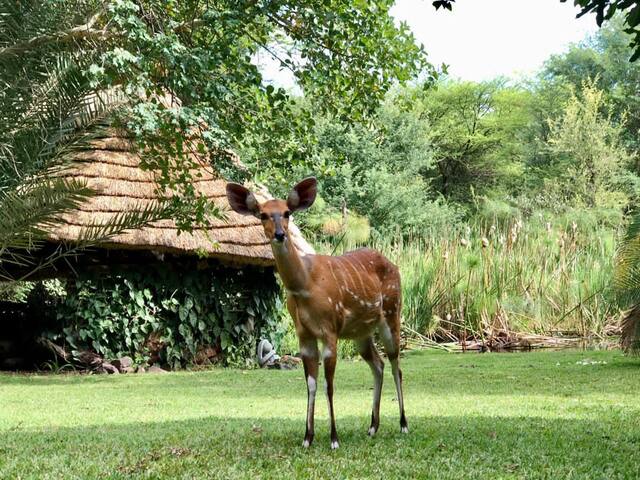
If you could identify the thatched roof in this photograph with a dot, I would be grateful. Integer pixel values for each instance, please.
(111, 167)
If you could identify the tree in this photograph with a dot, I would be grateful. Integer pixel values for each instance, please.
(588, 150)
(474, 130)
(379, 171)
(70, 66)
(604, 58)
(47, 111)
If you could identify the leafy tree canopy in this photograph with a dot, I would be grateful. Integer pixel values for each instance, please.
(180, 75)
(345, 56)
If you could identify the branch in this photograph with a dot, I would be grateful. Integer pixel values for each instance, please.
(80, 32)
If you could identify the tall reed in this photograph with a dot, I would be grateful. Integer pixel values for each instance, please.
(522, 276)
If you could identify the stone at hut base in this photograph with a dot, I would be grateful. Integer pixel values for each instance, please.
(123, 363)
(287, 362)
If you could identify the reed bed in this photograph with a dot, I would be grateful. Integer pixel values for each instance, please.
(501, 284)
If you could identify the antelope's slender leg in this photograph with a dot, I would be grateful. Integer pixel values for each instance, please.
(309, 353)
(329, 357)
(391, 342)
(370, 355)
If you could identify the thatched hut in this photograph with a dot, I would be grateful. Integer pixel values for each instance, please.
(111, 167)
(227, 269)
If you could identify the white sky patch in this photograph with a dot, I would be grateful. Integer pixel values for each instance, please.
(479, 39)
(483, 39)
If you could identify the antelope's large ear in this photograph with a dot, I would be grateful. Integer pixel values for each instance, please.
(242, 200)
(303, 194)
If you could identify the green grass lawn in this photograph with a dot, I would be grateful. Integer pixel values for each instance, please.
(520, 415)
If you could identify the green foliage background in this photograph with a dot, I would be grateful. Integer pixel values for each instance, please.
(184, 308)
(408, 160)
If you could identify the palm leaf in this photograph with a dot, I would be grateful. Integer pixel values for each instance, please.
(626, 281)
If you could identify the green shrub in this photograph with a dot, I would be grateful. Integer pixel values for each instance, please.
(173, 314)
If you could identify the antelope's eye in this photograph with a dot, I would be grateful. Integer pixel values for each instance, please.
(264, 216)
(286, 214)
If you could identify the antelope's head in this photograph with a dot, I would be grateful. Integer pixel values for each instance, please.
(274, 214)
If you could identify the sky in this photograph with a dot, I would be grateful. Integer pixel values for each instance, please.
(483, 39)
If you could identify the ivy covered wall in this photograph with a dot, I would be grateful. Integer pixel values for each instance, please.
(172, 315)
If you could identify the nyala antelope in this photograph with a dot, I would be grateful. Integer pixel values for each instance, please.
(331, 297)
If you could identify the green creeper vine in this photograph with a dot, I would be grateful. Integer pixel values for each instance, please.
(169, 315)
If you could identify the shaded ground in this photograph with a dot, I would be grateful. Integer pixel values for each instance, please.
(520, 415)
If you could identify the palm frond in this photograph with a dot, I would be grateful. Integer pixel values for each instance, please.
(626, 282)
(25, 214)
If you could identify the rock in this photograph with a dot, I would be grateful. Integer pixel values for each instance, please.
(128, 370)
(141, 369)
(109, 368)
(291, 359)
(287, 362)
(123, 363)
(156, 369)
(89, 360)
(126, 362)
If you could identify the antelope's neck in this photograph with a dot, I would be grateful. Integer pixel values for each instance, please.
(291, 267)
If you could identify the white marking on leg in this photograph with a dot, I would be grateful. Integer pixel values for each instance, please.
(305, 444)
(311, 385)
(307, 351)
(372, 431)
(335, 445)
(327, 352)
(387, 337)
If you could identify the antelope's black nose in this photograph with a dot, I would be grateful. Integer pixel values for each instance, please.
(279, 236)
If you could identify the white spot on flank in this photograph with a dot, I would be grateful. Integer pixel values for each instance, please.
(330, 300)
(335, 445)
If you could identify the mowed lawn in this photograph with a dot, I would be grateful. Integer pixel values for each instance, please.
(519, 415)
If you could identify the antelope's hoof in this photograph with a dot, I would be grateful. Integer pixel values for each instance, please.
(372, 431)
(335, 445)
(404, 429)
(306, 443)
